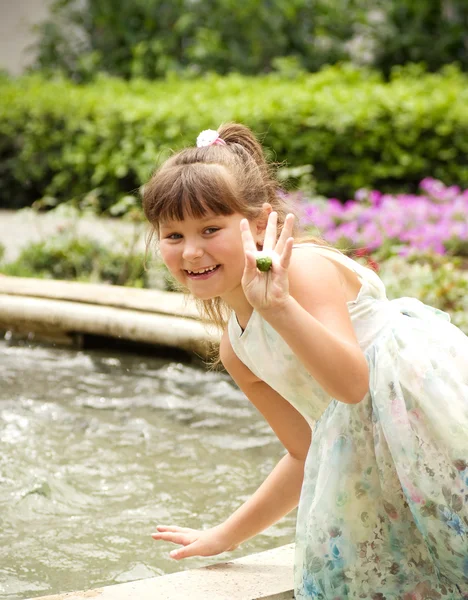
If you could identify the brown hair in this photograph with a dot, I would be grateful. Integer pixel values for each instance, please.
(223, 179)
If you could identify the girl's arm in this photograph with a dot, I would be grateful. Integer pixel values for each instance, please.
(278, 494)
(303, 298)
(315, 323)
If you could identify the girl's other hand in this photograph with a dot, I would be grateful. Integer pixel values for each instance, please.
(270, 289)
(195, 542)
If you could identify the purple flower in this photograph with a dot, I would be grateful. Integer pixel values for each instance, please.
(417, 223)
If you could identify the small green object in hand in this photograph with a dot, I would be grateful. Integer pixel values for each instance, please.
(264, 262)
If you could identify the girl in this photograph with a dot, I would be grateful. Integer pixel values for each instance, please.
(383, 485)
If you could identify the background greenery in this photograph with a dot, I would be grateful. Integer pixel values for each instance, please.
(149, 38)
(352, 128)
(350, 94)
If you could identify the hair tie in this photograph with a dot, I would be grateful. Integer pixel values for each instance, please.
(209, 137)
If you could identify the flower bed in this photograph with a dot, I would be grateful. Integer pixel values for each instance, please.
(385, 225)
(418, 243)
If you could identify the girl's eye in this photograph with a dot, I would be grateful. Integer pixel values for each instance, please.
(173, 236)
(211, 230)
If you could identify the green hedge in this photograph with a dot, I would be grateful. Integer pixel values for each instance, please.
(149, 38)
(64, 140)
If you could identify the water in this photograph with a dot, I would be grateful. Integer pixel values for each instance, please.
(96, 449)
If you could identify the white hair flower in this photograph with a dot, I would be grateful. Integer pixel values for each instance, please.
(209, 137)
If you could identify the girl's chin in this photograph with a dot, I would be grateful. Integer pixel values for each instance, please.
(199, 295)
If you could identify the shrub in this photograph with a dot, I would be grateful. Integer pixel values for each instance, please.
(355, 130)
(66, 257)
(150, 38)
(439, 283)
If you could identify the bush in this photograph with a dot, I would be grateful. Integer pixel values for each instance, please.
(436, 281)
(383, 34)
(149, 38)
(65, 140)
(66, 257)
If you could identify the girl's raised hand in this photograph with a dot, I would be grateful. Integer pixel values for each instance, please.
(270, 289)
(194, 542)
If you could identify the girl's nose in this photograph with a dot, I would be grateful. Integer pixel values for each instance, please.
(192, 251)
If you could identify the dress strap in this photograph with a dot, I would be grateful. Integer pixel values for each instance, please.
(363, 273)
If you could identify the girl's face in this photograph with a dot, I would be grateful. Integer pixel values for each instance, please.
(206, 255)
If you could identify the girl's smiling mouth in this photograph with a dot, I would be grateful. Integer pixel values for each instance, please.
(204, 273)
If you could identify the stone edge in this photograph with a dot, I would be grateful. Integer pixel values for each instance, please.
(266, 575)
(58, 310)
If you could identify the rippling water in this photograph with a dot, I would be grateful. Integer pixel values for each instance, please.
(96, 449)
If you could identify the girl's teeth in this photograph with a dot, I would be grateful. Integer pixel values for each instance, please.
(202, 271)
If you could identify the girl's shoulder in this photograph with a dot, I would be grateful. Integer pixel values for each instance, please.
(328, 252)
(324, 266)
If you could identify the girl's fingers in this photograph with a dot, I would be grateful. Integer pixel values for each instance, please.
(247, 238)
(250, 269)
(285, 258)
(173, 528)
(270, 232)
(286, 233)
(186, 552)
(175, 538)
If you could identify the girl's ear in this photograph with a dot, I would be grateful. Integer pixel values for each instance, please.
(262, 221)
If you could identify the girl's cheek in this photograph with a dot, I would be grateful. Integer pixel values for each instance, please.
(173, 267)
(169, 258)
(165, 252)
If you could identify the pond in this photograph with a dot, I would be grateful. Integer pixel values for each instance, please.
(98, 448)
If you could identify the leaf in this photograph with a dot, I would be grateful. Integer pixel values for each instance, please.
(315, 565)
(447, 494)
(390, 510)
(457, 502)
(429, 509)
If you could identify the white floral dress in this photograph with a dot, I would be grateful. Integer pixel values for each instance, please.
(383, 510)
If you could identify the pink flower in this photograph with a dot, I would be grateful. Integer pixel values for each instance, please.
(423, 223)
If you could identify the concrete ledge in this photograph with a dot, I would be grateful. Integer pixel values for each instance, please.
(263, 576)
(169, 303)
(57, 309)
(73, 317)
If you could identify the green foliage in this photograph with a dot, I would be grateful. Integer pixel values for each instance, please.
(438, 281)
(150, 38)
(68, 254)
(432, 31)
(355, 130)
(383, 33)
(67, 257)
